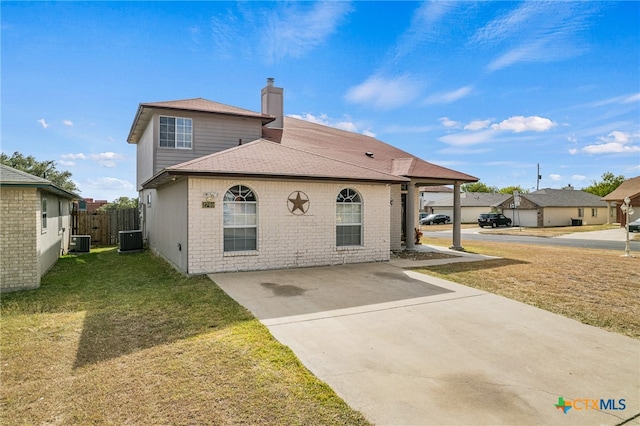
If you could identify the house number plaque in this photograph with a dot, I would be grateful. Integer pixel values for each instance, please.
(208, 204)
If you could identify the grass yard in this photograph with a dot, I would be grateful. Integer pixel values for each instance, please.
(124, 339)
(596, 287)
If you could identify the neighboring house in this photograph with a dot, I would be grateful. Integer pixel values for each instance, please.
(35, 227)
(472, 205)
(227, 189)
(555, 207)
(629, 188)
(429, 194)
(90, 205)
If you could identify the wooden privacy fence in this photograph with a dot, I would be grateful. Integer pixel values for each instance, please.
(104, 227)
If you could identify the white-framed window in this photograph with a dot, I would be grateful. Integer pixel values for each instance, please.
(44, 214)
(594, 212)
(240, 219)
(348, 218)
(176, 132)
(580, 212)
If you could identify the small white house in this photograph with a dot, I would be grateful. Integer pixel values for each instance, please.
(555, 207)
(472, 205)
(35, 227)
(429, 194)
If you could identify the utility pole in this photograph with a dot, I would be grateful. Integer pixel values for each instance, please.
(538, 179)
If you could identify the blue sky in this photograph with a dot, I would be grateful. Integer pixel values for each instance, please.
(486, 88)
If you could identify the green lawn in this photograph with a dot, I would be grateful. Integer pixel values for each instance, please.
(125, 339)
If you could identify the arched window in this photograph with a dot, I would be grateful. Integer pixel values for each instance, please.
(348, 218)
(240, 219)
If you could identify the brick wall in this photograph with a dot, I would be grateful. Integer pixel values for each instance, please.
(20, 211)
(284, 239)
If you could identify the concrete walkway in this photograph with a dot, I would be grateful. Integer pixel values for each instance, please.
(405, 348)
(616, 234)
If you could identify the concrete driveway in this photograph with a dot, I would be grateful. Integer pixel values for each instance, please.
(405, 348)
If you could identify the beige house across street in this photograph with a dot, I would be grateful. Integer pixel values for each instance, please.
(555, 207)
(228, 189)
(35, 227)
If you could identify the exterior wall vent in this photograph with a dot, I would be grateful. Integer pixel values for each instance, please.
(130, 241)
(80, 244)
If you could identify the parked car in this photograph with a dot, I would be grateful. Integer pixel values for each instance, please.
(634, 226)
(493, 220)
(435, 218)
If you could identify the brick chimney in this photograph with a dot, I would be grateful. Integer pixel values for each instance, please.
(273, 103)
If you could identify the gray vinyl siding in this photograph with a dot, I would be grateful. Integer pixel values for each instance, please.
(211, 133)
(145, 157)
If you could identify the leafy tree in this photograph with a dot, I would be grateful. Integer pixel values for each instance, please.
(609, 183)
(43, 169)
(478, 187)
(510, 189)
(120, 203)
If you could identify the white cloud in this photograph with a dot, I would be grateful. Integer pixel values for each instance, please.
(275, 30)
(477, 125)
(465, 138)
(573, 151)
(551, 30)
(68, 123)
(43, 123)
(623, 99)
(79, 156)
(294, 29)
(105, 159)
(555, 177)
(519, 124)
(394, 128)
(384, 93)
(107, 156)
(447, 122)
(67, 163)
(449, 97)
(614, 143)
(345, 124)
(110, 183)
(424, 26)
(578, 177)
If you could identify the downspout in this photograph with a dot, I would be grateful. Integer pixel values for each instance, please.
(457, 218)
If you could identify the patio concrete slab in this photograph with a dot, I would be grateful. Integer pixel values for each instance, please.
(405, 348)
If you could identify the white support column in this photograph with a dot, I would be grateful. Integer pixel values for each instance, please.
(410, 216)
(457, 218)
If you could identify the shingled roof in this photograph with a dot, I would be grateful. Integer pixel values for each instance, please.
(629, 188)
(472, 199)
(145, 112)
(356, 155)
(10, 177)
(272, 160)
(563, 198)
(362, 150)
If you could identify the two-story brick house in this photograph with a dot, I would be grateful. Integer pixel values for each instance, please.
(226, 189)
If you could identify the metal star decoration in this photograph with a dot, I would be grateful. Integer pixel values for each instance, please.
(298, 203)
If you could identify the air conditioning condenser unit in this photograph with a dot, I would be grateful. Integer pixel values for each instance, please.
(130, 241)
(80, 244)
